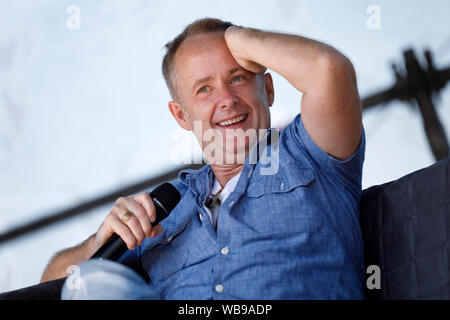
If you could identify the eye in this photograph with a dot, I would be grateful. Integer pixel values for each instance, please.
(203, 89)
(236, 78)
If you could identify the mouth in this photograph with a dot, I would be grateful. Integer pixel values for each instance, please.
(232, 122)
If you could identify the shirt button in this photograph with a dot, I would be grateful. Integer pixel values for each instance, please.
(225, 250)
(200, 217)
(169, 239)
(219, 288)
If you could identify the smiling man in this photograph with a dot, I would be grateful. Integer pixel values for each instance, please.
(288, 233)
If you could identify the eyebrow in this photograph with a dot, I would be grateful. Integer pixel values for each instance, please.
(205, 79)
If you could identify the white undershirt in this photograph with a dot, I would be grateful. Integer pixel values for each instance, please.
(229, 188)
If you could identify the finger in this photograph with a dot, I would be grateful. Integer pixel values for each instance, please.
(123, 231)
(141, 214)
(132, 224)
(146, 201)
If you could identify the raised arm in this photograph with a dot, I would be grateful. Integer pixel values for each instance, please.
(330, 107)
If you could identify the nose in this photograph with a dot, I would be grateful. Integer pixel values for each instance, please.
(226, 98)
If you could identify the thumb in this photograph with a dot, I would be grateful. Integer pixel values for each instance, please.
(156, 231)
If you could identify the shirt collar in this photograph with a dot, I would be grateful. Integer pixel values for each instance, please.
(201, 181)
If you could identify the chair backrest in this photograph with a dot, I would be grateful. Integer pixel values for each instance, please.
(406, 226)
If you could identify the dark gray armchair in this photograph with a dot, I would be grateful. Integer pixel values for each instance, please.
(406, 226)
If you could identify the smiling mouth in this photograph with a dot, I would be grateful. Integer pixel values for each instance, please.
(232, 121)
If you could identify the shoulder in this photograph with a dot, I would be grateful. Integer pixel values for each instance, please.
(301, 147)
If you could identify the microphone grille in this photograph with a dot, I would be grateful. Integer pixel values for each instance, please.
(167, 194)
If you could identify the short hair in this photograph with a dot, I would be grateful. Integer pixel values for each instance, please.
(199, 26)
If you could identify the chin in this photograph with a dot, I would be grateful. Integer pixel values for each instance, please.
(236, 151)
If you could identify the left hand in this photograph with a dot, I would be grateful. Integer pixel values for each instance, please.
(234, 35)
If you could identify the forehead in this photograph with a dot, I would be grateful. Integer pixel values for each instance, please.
(201, 55)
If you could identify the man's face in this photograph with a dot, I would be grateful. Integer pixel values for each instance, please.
(214, 89)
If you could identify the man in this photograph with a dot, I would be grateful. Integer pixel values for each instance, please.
(287, 233)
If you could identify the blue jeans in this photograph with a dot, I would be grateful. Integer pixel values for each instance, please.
(100, 279)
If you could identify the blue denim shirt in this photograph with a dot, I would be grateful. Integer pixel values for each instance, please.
(292, 234)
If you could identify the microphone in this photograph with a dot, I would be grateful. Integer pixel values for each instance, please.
(165, 197)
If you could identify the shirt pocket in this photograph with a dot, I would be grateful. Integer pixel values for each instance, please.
(165, 260)
(284, 203)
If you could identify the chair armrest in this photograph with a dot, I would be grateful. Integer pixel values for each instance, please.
(50, 290)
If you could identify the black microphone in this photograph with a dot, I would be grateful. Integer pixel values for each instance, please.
(165, 197)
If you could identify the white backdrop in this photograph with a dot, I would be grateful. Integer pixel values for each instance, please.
(84, 111)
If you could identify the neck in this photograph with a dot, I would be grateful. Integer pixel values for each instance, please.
(225, 173)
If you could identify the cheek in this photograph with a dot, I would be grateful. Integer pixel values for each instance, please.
(262, 115)
(199, 110)
(253, 95)
(203, 108)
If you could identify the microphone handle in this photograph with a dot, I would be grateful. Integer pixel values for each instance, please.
(115, 247)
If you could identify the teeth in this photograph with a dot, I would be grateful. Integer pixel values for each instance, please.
(232, 121)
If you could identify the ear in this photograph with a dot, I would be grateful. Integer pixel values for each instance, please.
(269, 88)
(180, 116)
